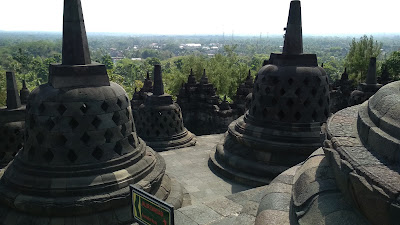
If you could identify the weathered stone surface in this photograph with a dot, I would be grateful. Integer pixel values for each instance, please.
(290, 101)
(363, 150)
(160, 121)
(81, 149)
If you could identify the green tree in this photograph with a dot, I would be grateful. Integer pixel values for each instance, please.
(393, 65)
(107, 61)
(360, 52)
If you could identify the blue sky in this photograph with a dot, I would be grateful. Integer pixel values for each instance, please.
(251, 17)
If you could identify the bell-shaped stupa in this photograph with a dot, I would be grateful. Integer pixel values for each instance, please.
(290, 101)
(12, 122)
(159, 119)
(81, 149)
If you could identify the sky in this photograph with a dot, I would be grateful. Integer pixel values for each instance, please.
(188, 17)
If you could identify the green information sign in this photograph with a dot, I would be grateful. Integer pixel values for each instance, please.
(149, 210)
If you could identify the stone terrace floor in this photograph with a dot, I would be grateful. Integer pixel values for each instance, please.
(215, 200)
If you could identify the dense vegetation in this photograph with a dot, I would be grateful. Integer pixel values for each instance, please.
(226, 59)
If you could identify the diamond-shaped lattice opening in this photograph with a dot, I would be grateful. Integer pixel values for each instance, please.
(116, 118)
(297, 116)
(290, 81)
(73, 123)
(152, 126)
(265, 112)
(290, 102)
(104, 106)
(97, 153)
(118, 148)
(306, 81)
(2, 154)
(157, 133)
(61, 109)
(314, 92)
(119, 103)
(60, 140)
(281, 115)
(48, 156)
(85, 138)
(170, 125)
(314, 115)
(306, 103)
(40, 138)
(72, 156)
(298, 91)
(165, 118)
(131, 141)
(41, 107)
(108, 135)
(84, 108)
(31, 153)
(123, 129)
(320, 102)
(161, 126)
(96, 122)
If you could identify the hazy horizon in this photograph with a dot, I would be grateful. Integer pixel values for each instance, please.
(177, 17)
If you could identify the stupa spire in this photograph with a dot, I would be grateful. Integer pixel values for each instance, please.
(75, 49)
(158, 87)
(371, 74)
(13, 101)
(294, 38)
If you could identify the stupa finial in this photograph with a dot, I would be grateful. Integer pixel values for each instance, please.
(158, 87)
(13, 101)
(75, 50)
(294, 38)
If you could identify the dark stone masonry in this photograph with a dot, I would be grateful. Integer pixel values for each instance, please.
(159, 119)
(282, 127)
(12, 123)
(81, 147)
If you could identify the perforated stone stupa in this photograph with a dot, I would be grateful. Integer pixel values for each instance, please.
(12, 122)
(290, 101)
(159, 119)
(353, 179)
(81, 148)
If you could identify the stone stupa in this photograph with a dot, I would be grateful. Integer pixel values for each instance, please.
(368, 88)
(12, 122)
(290, 102)
(81, 149)
(354, 179)
(159, 119)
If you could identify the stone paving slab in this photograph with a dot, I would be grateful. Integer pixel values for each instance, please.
(215, 200)
(190, 166)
